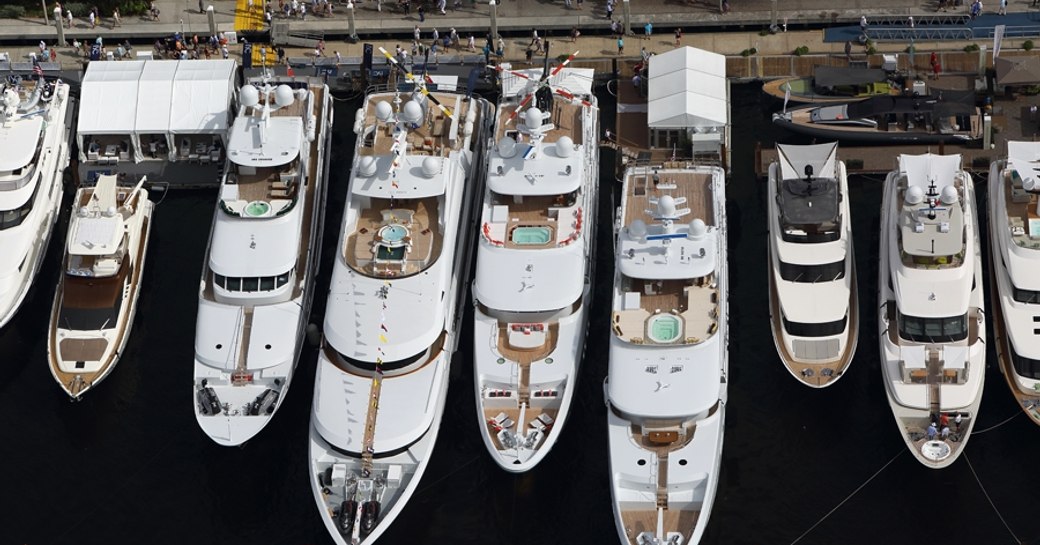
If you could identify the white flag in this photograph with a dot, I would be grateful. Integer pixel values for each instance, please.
(998, 36)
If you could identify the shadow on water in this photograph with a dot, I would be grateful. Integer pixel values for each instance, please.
(129, 462)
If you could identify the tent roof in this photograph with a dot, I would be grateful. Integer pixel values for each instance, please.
(1017, 70)
(687, 89)
(108, 100)
(156, 96)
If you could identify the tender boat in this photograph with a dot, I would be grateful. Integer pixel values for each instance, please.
(535, 261)
(1014, 187)
(931, 323)
(35, 120)
(394, 308)
(835, 84)
(96, 301)
(812, 282)
(258, 279)
(944, 116)
(667, 379)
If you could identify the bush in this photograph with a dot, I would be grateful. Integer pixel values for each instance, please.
(1027, 45)
(970, 48)
(764, 32)
(801, 50)
(748, 52)
(78, 10)
(12, 12)
(871, 50)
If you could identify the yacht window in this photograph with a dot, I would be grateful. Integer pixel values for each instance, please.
(1024, 366)
(386, 365)
(823, 329)
(14, 218)
(283, 279)
(250, 284)
(923, 330)
(234, 284)
(219, 279)
(267, 283)
(825, 272)
(1027, 296)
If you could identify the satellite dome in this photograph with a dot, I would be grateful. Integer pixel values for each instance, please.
(564, 146)
(914, 195)
(1029, 184)
(533, 118)
(697, 228)
(637, 228)
(110, 212)
(666, 206)
(367, 166)
(384, 111)
(10, 98)
(431, 166)
(412, 112)
(283, 96)
(507, 147)
(82, 212)
(249, 96)
(949, 195)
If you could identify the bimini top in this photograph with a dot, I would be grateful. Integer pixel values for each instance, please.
(941, 103)
(826, 77)
(809, 186)
(97, 228)
(932, 220)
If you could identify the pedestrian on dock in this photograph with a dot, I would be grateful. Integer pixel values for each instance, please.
(339, 59)
(471, 44)
(1003, 8)
(441, 4)
(678, 37)
(648, 30)
(115, 18)
(621, 45)
(848, 50)
(93, 20)
(725, 7)
(615, 27)
(416, 34)
(436, 35)
(68, 14)
(610, 9)
(579, 3)
(422, 13)
(574, 34)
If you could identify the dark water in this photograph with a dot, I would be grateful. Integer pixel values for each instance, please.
(129, 464)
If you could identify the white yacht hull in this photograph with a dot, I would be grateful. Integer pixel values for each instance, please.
(114, 338)
(44, 214)
(412, 460)
(911, 403)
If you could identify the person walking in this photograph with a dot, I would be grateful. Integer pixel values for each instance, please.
(202, 9)
(93, 20)
(441, 4)
(610, 9)
(416, 33)
(471, 44)
(1003, 8)
(567, 4)
(339, 59)
(115, 18)
(574, 34)
(422, 13)
(848, 50)
(68, 14)
(436, 35)
(863, 24)
(621, 45)
(648, 30)
(678, 37)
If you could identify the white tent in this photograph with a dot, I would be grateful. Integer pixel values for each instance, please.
(688, 89)
(155, 97)
(108, 101)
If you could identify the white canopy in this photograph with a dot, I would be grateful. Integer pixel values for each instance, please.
(108, 101)
(687, 89)
(155, 97)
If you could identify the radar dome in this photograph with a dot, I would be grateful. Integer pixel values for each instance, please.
(10, 98)
(949, 195)
(666, 206)
(1029, 184)
(533, 118)
(412, 112)
(564, 146)
(367, 166)
(384, 111)
(431, 166)
(283, 96)
(914, 195)
(637, 228)
(507, 147)
(110, 212)
(249, 96)
(697, 228)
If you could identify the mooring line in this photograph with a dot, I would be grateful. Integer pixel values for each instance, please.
(990, 500)
(847, 498)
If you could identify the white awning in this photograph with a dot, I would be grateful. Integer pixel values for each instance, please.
(154, 96)
(108, 100)
(202, 91)
(687, 88)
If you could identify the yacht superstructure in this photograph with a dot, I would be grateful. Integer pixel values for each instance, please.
(666, 386)
(1014, 215)
(535, 261)
(930, 289)
(258, 279)
(96, 300)
(812, 278)
(34, 150)
(394, 305)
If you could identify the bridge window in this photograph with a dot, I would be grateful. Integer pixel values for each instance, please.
(924, 330)
(825, 272)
